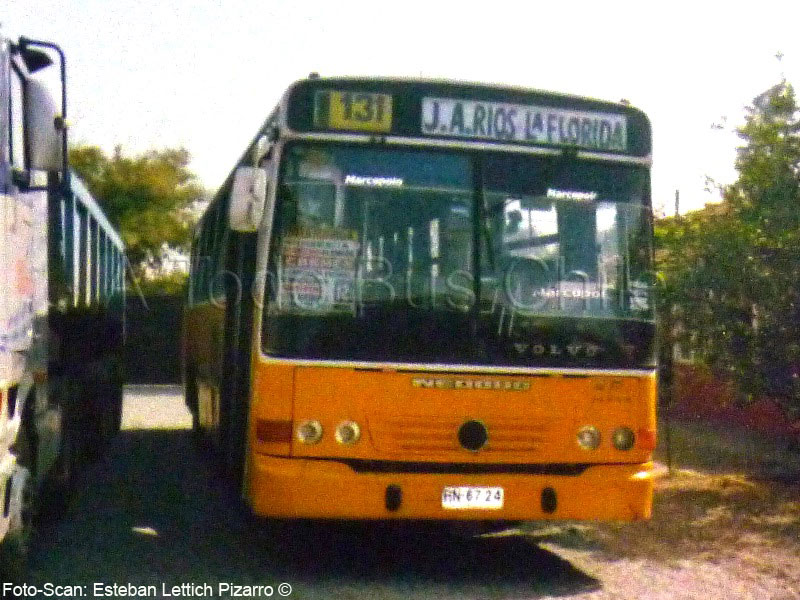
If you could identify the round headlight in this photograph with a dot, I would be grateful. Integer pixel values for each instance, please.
(623, 438)
(588, 437)
(348, 433)
(309, 432)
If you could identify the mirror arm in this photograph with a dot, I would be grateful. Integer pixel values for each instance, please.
(21, 179)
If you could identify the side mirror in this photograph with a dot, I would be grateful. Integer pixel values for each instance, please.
(248, 197)
(260, 149)
(45, 128)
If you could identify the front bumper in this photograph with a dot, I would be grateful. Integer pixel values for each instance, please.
(323, 489)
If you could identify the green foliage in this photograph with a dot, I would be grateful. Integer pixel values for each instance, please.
(173, 284)
(147, 197)
(732, 271)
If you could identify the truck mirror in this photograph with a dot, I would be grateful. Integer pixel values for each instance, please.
(45, 128)
(248, 197)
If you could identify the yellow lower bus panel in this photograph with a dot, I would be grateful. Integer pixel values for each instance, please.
(309, 488)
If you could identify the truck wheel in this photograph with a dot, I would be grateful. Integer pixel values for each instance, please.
(59, 485)
(105, 415)
(117, 391)
(16, 546)
(14, 558)
(95, 430)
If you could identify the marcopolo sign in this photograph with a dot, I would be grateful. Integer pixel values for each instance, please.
(530, 124)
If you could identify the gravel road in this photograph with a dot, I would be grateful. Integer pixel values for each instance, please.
(152, 513)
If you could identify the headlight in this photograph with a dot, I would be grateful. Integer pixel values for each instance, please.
(623, 438)
(348, 433)
(309, 432)
(588, 437)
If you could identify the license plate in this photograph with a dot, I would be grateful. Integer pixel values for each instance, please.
(489, 498)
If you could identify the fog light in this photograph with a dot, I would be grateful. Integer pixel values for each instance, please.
(623, 438)
(588, 437)
(309, 432)
(348, 433)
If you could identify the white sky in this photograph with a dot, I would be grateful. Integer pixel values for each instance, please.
(205, 74)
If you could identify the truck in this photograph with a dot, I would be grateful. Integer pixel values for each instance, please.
(62, 293)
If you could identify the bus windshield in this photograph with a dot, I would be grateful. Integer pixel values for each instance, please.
(407, 255)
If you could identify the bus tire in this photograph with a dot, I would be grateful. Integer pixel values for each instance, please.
(236, 448)
(199, 437)
(200, 440)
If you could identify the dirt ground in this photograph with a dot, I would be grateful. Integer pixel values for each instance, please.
(726, 524)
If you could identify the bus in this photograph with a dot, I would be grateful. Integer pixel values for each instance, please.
(420, 299)
(61, 306)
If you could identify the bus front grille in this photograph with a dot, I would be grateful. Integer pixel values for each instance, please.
(403, 435)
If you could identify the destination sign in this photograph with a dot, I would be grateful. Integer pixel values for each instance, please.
(530, 124)
(353, 111)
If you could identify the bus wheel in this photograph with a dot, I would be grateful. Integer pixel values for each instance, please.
(200, 437)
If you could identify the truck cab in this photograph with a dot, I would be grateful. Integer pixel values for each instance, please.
(33, 452)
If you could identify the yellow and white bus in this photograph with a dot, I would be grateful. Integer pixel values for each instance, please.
(430, 300)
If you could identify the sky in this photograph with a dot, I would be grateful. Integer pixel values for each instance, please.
(205, 74)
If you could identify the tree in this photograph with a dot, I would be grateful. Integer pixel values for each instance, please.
(732, 272)
(148, 198)
(766, 201)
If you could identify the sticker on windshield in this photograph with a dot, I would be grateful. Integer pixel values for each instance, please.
(317, 274)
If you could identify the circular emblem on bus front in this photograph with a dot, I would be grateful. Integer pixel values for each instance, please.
(473, 435)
